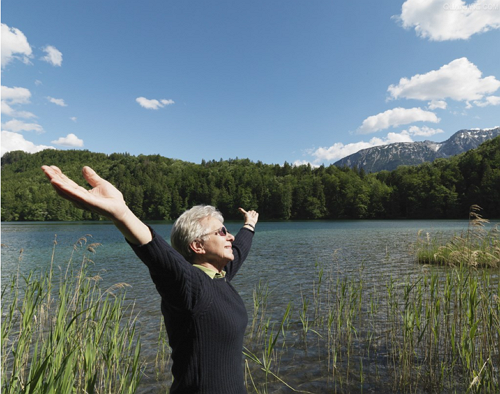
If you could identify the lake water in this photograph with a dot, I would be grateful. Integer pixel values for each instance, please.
(284, 254)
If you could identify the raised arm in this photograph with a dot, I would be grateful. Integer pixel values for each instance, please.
(103, 198)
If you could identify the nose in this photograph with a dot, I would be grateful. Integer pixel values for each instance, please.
(229, 236)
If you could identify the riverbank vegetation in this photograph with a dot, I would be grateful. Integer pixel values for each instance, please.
(476, 247)
(62, 333)
(438, 331)
(435, 330)
(159, 188)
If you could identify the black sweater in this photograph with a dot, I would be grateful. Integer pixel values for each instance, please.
(205, 318)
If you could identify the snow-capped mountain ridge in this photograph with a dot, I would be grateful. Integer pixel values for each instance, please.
(389, 157)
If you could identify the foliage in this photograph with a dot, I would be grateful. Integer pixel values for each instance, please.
(68, 336)
(159, 188)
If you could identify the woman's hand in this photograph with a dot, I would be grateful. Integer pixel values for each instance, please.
(251, 218)
(103, 198)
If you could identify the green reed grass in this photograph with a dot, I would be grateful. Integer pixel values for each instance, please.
(476, 247)
(68, 336)
(434, 331)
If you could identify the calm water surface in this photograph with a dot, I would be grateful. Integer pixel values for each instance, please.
(284, 255)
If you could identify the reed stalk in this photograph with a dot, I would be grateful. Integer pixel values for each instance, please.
(477, 247)
(437, 331)
(69, 337)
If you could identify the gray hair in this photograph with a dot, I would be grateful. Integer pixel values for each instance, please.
(188, 227)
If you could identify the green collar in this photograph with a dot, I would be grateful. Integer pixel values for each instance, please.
(211, 273)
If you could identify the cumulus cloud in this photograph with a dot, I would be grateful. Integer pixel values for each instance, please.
(490, 100)
(15, 96)
(153, 104)
(396, 117)
(458, 80)
(437, 104)
(422, 131)
(59, 102)
(442, 20)
(338, 150)
(14, 46)
(18, 125)
(70, 140)
(298, 163)
(15, 141)
(53, 56)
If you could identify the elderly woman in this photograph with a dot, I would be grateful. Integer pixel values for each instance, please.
(204, 315)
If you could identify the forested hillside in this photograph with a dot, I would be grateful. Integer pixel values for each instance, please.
(159, 188)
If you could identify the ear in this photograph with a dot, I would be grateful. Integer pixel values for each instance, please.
(197, 247)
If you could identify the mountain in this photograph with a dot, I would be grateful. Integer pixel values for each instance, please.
(389, 157)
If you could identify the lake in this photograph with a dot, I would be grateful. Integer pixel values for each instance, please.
(285, 255)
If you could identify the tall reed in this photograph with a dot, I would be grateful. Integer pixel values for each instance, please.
(477, 247)
(69, 336)
(435, 331)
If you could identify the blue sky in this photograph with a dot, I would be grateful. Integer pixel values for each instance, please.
(270, 80)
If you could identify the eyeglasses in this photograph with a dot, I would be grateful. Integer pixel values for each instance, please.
(222, 232)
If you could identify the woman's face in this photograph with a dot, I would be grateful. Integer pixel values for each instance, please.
(218, 248)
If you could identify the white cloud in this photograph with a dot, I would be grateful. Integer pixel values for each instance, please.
(422, 131)
(153, 104)
(490, 100)
(459, 80)
(435, 104)
(298, 163)
(442, 20)
(15, 96)
(53, 55)
(59, 102)
(14, 45)
(73, 118)
(396, 117)
(393, 138)
(70, 140)
(15, 141)
(339, 150)
(18, 125)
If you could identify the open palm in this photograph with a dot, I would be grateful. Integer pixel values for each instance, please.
(103, 198)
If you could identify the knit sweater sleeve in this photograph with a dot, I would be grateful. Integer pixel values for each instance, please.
(241, 247)
(178, 282)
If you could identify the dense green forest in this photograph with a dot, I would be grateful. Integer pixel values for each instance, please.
(159, 188)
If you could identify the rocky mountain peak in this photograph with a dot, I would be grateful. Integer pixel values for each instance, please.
(389, 157)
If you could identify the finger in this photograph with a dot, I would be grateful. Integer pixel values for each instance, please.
(64, 182)
(50, 171)
(242, 210)
(91, 176)
(65, 187)
(69, 197)
(57, 178)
